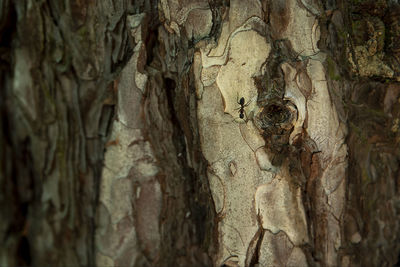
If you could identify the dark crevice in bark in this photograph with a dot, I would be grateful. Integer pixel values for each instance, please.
(127, 45)
(309, 249)
(24, 252)
(256, 256)
(170, 86)
(275, 114)
(183, 143)
(217, 8)
(106, 120)
(150, 6)
(52, 11)
(16, 175)
(7, 28)
(118, 66)
(21, 178)
(150, 43)
(152, 23)
(185, 181)
(176, 99)
(309, 202)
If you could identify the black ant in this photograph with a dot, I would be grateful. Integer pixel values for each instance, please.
(242, 104)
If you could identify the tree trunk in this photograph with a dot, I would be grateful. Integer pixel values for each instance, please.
(200, 133)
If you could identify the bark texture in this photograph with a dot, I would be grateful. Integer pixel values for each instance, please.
(57, 103)
(200, 133)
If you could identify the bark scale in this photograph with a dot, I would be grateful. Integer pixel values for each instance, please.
(122, 143)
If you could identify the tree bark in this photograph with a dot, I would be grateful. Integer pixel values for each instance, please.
(200, 133)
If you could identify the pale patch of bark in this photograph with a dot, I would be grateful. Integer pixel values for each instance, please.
(256, 191)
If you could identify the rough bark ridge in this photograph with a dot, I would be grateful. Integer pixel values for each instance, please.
(155, 206)
(200, 133)
(57, 105)
(371, 97)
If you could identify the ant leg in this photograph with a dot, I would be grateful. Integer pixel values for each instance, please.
(248, 117)
(237, 100)
(248, 103)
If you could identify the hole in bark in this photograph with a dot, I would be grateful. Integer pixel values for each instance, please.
(276, 113)
(275, 121)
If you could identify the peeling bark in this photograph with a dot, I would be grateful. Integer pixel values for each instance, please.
(200, 133)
